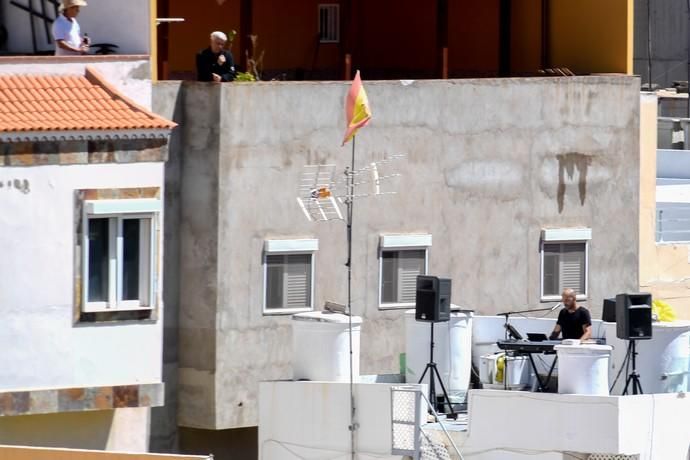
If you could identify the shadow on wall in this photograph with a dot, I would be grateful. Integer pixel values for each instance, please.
(164, 435)
(239, 443)
(70, 430)
(568, 163)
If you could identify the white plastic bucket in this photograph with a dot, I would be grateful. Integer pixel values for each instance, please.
(452, 351)
(583, 369)
(518, 374)
(321, 346)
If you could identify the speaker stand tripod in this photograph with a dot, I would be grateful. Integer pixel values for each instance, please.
(433, 373)
(634, 377)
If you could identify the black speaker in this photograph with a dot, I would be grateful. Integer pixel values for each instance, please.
(433, 299)
(634, 316)
(609, 311)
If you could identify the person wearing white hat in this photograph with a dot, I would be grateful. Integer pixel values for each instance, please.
(215, 63)
(66, 31)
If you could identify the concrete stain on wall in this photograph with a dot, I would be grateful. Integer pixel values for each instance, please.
(568, 163)
(21, 185)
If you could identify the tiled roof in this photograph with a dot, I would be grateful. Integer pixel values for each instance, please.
(30, 103)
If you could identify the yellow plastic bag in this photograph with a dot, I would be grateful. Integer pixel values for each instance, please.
(500, 367)
(663, 311)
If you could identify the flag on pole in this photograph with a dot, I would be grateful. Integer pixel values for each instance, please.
(356, 109)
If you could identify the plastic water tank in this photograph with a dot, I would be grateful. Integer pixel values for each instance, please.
(321, 346)
(452, 351)
(662, 362)
(518, 372)
(583, 369)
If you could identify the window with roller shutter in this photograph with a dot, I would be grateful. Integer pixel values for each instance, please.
(288, 282)
(564, 265)
(399, 271)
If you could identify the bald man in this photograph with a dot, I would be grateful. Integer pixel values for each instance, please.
(574, 321)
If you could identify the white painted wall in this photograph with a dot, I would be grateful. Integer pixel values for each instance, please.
(41, 346)
(654, 426)
(125, 23)
(310, 420)
(131, 76)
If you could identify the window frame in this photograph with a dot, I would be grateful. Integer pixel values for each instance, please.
(328, 6)
(288, 248)
(398, 243)
(116, 211)
(557, 297)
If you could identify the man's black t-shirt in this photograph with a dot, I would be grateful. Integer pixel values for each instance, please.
(572, 323)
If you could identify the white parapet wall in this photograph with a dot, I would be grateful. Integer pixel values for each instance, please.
(519, 425)
(310, 420)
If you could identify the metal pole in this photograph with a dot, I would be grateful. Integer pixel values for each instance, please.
(687, 43)
(432, 383)
(350, 206)
(649, 43)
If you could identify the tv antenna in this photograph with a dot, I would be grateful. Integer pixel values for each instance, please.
(322, 196)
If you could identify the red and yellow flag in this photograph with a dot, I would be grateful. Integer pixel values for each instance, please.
(356, 109)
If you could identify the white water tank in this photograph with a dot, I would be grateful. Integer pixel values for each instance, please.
(518, 375)
(321, 346)
(662, 362)
(452, 351)
(583, 369)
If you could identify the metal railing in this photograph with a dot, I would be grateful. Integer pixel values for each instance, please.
(673, 224)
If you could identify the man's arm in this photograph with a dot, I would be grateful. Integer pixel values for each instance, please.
(66, 46)
(587, 325)
(228, 68)
(556, 332)
(588, 332)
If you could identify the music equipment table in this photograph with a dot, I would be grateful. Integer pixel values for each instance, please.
(527, 348)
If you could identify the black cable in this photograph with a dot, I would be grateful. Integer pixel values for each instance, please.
(623, 364)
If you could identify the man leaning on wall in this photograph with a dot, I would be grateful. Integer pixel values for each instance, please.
(66, 30)
(215, 63)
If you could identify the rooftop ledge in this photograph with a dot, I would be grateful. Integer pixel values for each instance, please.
(79, 399)
(90, 58)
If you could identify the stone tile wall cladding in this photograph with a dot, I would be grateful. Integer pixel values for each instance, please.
(83, 152)
(80, 399)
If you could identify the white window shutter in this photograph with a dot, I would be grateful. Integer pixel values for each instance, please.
(572, 270)
(297, 287)
(409, 269)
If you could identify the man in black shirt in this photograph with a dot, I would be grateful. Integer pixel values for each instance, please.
(215, 63)
(574, 321)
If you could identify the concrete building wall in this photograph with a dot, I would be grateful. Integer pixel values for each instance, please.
(490, 164)
(43, 347)
(669, 41)
(103, 21)
(164, 435)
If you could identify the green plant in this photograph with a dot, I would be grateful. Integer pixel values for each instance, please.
(244, 76)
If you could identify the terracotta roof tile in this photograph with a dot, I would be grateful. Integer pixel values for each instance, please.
(70, 103)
